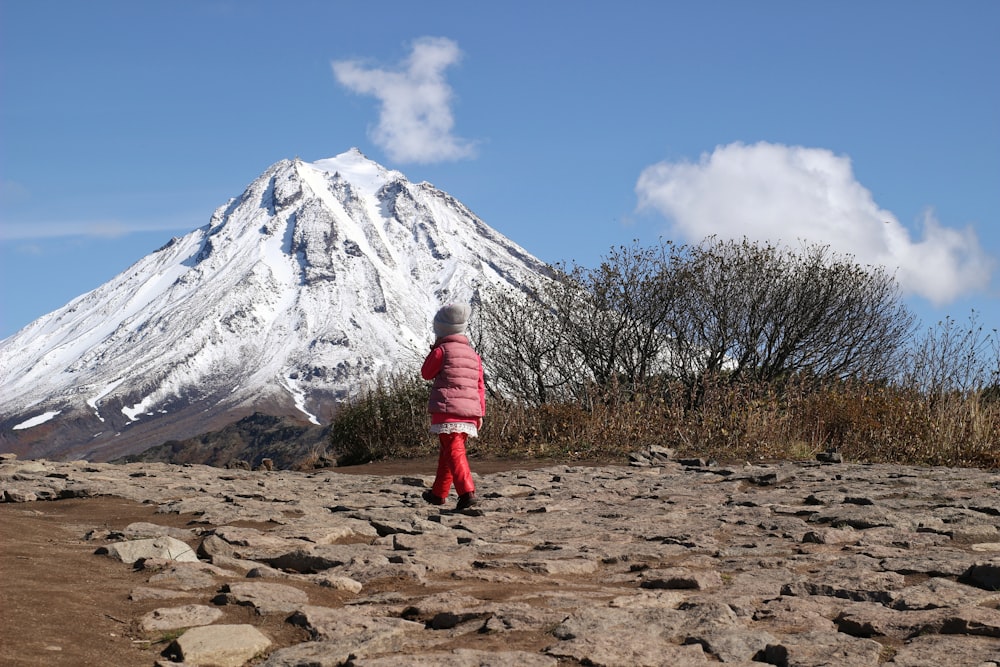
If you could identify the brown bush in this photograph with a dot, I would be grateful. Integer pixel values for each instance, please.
(384, 421)
(865, 422)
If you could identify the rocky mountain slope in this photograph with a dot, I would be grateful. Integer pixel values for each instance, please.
(315, 280)
(249, 443)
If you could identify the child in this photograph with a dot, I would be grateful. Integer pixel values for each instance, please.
(457, 403)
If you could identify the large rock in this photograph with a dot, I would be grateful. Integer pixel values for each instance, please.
(265, 598)
(165, 547)
(985, 574)
(219, 645)
(185, 616)
(938, 651)
(823, 649)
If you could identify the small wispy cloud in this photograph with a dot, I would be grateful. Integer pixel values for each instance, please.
(788, 194)
(415, 116)
(15, 231)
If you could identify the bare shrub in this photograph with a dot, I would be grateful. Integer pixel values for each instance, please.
(524, 345)
(950, 357)
(763, 312)
(615, 319)
(721, 310)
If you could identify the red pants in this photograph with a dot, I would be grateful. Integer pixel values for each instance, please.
(453, 466)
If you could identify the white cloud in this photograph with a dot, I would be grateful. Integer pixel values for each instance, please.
(415, 118)
(787, 194)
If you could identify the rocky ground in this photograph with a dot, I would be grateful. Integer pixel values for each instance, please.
(664, 562)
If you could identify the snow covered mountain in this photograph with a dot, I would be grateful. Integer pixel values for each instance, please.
(320, 276)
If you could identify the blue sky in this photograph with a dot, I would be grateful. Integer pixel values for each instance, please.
(570, 127)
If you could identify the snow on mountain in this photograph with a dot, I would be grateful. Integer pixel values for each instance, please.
(320, 276)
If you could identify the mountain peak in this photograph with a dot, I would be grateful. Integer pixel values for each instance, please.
(358, 170)
(314, 281)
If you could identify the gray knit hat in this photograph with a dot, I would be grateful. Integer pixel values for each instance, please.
(451, 319)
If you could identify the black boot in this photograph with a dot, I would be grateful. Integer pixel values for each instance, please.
(431, 498)
(466, 500)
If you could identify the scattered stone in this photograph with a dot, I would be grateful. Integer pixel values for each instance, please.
(762, 476)
(639, 460)
(141, 593)
(868, 619)
(936, 593)
(660, 453)
(830, 457)
(17, 496)
(173, 618)
(830, 536)
(462, 657)
(219, 645)
(931, 564)
(353, 633)
(159, 547)
(944, 650)
(817, 649)
(144, 529)
(681, 578)
(672, 562)
(984, 575)
(187, 577)
(309, 654)
(694, 462)
(656, 455)
(858, 585)
(641, 637)
(265, 598)
(255, 544)
(213, 546)
(734, 645)
(339, 583)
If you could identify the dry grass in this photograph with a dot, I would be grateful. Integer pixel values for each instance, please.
(865, 422)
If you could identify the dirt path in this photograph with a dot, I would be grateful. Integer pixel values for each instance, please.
(62, 605)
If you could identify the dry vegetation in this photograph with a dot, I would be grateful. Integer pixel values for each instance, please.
(727, 350)
(864, 422)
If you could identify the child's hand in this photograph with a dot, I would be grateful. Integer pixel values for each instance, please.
(479, 422)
